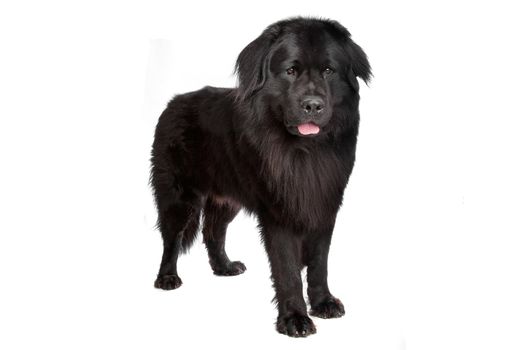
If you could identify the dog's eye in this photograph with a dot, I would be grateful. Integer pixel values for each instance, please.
(327, 71)
(291, 71)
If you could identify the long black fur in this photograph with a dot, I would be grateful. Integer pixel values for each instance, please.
(218, 150)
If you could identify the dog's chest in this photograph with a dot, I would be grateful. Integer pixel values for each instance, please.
(307, 187)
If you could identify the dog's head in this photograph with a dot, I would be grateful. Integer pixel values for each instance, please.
(305, 72)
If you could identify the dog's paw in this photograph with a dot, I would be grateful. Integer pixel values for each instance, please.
(168, 282)
(231, 269)
(329, 308)
(296, 325)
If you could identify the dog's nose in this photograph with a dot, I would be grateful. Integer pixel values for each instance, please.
(312, 105)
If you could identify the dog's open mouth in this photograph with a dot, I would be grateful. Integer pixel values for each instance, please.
(308, 129)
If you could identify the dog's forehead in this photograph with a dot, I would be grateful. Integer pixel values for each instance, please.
(311, 47)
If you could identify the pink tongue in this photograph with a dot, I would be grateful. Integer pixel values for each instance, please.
(308, 129)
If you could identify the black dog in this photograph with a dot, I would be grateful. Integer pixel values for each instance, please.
(281, 146)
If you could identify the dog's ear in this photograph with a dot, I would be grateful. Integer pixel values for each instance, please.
(359, 66)
(252, 64)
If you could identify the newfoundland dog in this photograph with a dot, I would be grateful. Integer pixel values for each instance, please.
(280, 146)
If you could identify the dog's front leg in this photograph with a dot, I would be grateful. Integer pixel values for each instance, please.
(315, 249)
(284, 252)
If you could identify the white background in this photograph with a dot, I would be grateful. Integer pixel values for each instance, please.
(428, 252)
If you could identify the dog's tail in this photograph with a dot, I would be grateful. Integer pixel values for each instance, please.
(179, 208)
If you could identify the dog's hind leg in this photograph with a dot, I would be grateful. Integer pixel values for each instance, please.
(218, 213)
(178, 224)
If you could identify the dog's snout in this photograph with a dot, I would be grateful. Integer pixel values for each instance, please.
(312, 105)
